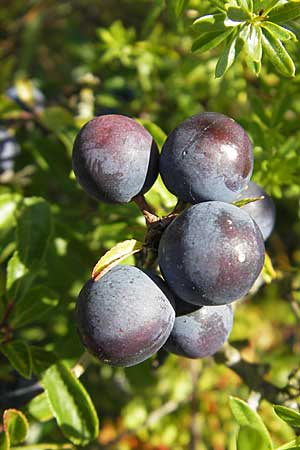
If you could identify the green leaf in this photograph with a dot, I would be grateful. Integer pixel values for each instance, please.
(18, 354)
(209, 41)
(277, 54)
(71, 404)
(231, 51)
(278, 31)
(18, 278)
(33, 307)
(8, 207)
(246, 417)
(268, 272)
(34, 230)
(180, 5)
(210, 22)
(39, 408)
(238, 14)
(254, 46)
(16, 424)
(245, 201)
(115, 255)
(285, 12)
(288, 415)
(4, 441)
(250, 438)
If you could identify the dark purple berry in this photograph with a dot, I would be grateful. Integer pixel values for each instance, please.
(115, 159)
(207, 157)
(211, 254)
(124, 317)
(200, 333)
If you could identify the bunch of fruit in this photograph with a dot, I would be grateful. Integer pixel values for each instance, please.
(209, 254)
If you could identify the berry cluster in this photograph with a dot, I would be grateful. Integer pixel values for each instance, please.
(209, 254)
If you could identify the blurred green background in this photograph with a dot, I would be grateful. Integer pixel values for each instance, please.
(134, 57)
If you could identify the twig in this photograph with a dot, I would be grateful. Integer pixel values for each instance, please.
(146, 209)
(252, 375)
(82, 364)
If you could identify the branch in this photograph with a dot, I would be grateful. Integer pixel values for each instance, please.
(252, 375)
(146, 209)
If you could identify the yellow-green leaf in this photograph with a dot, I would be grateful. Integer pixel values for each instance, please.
(4, 441)
(268, 272)
(247, 417)
(16, 425)
(277, 54)
(115, 255)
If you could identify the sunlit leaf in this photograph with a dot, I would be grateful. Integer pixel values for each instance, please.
(277, 54)
(71, 404)
(209, 41)
(278, 31)
(290, 416)
(16, 424)
(247, 417)
(115, 255)
(285, 12)
(228, 56)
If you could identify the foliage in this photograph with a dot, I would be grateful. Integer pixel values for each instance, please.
(135, 58)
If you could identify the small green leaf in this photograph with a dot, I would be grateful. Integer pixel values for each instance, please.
(71, 404)
(18, 278)
(254, 46)
(238, 14)
(245, 201)
(16, 424)
(39, 408)
(15, 271)
(180, 5)
(8, 207)
(4, 441)
(208, 41)
(210, 22)
(34, 230)
(246, 417)
(279, 32)
(18, 354)
(33, 307)
(268, 272)
(232, 49)
(115, 255)
(277, 54)
(285, 12)
(288, 415)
